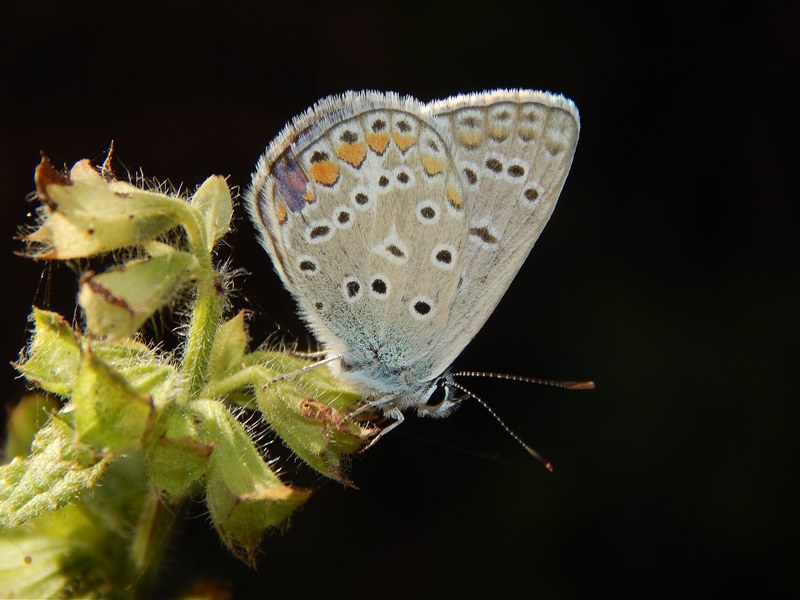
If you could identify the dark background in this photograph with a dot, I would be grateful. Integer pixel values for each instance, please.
(668, 274)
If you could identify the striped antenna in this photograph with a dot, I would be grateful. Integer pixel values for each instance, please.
(546, 463)
(566, 385)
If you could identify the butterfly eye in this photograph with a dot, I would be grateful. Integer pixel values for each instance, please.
(438, 395)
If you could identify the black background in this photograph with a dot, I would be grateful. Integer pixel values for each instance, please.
(668, 274)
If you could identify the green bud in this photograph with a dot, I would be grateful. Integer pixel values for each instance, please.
(213, 200)
(85, 215)
(118, 302)
(245, 497)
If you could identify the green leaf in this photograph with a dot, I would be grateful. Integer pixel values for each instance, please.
(84, 549)
(108, 412)
(25, 420)
(213, 200)
(177, 459)
(145, 370)
(55, 473)
(229, 347)
(54, 355)
(85, 215)
(118, 302)
(31, 557)
(245, 497)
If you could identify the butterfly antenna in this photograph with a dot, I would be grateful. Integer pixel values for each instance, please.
(546, 463)
(566, 385)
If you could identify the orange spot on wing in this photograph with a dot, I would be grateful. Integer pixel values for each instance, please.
(454, 198)
(310, 196)
(353, 154)
(281, 209)
(470, 138)
(499, 132)
(325, 172)
(403, 141)
(432, 165)
(378, 142)
(527, 134)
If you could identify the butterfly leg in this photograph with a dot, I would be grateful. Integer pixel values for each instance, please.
(394, 413)
(299, 354)
(305, 369)
(384, 404)
(378, 403)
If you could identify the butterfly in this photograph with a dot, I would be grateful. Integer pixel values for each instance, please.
(398, 226)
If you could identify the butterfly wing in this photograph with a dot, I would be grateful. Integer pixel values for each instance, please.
(513, 151)
(365, 218)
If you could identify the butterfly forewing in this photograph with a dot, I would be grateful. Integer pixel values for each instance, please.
(368, 220)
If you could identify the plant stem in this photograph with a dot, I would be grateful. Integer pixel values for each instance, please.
(155, 523)
(253, 375)
(206, 315)
(156, 519)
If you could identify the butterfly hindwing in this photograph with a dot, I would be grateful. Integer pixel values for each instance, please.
(513, 150)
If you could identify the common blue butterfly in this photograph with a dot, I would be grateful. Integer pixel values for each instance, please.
(398, 226)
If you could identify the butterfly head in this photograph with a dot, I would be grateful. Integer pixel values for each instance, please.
(399, 389)
(438, 400)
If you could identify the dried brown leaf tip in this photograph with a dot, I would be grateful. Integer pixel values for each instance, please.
(47, 175)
